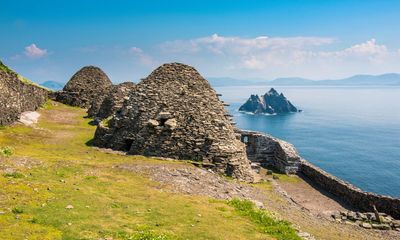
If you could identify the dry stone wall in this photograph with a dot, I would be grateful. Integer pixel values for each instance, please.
(89, 85)
(17, 96)
(112, 102)
(349, 193)
(270, 151)
(175, 113)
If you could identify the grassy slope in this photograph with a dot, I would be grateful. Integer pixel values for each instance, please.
(51, 168)
(20, 77)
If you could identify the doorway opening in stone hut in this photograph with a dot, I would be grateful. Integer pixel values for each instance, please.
(162, 122)
(127, 144)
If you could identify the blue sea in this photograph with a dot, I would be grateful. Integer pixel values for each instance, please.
(350, 132)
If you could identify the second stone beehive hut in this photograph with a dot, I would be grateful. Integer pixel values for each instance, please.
(112, 102)
(175, 113)
(90, 84)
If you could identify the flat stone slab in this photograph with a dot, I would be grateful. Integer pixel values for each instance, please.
(29, 118)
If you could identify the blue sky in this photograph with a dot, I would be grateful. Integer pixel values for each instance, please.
(50, 40)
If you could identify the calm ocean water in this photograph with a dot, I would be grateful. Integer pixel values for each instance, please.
(350, 132)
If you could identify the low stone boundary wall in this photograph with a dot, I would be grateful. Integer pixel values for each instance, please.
(349, 193)
(17, 96)
(270, 151)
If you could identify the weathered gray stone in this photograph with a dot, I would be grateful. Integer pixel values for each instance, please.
(350, 194)
(270, 151)
(381, 226)
(17, 96)
(89, 85)
(175, 113)
(366, 225)
(112, 101)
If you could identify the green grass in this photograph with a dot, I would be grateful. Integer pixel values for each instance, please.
(20, 77)
(53, 167)
(13, 175)
(6, 151)
(280, 229)
(106, 122)
(4, 68)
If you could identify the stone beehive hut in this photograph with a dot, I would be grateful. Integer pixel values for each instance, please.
(175, 113)
(88, 85)
(112, 102)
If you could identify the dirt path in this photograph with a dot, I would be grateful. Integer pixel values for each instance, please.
(313, 199)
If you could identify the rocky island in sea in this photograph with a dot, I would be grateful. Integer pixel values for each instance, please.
(271, 102)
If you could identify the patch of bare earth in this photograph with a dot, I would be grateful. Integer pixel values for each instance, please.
(188, 179)
(314, 200)
(298, 202)
(61, 116)
(13, 164)
(310, 207)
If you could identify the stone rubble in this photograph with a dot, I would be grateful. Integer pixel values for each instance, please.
(175, 113)
(367, 220)
(197, 181)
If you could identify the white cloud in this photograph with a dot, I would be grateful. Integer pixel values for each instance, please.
(143, 58)
(270, 57)
(369, 49)
(33, 51)
(241, 46)
(136, 50)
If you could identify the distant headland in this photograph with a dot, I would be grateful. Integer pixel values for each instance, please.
(387, 79)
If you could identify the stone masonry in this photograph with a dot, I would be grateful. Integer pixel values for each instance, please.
(88, 85)
(349, 193)
(175, 113)
(112, 102)
(17, 96)
(269, 151)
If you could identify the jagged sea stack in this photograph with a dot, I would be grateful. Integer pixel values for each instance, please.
(175, 113)
(271, 102)
(88, 85)
(17, 95)
(112, 102)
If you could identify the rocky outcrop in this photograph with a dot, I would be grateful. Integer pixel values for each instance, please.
(175, 113)
(18, 95)
(350, 194)
(112, 102)
(89, 85)
(272, 102)
(269, 151)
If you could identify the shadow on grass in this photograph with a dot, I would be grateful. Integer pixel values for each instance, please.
(90, 143)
